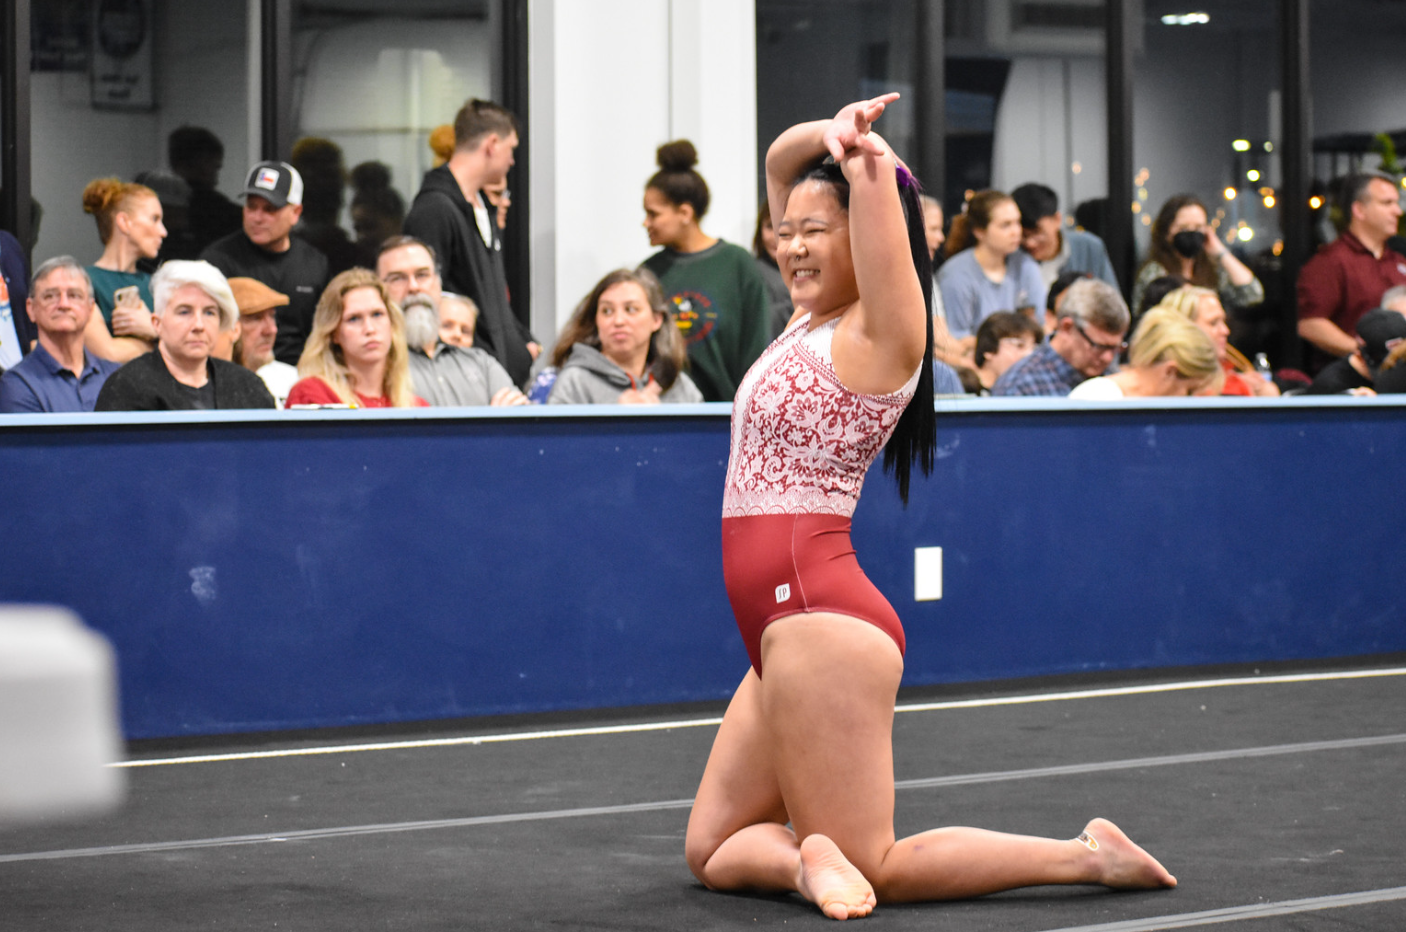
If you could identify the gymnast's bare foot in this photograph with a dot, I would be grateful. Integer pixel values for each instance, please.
(1120, 863)
(831, 882)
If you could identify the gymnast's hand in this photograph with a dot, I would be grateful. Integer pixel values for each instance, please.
(849, 130)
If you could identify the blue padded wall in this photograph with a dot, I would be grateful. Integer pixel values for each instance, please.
(290, 570)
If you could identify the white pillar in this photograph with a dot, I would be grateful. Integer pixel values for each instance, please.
(610, 81)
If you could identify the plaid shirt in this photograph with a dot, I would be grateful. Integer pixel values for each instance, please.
(1043, 372)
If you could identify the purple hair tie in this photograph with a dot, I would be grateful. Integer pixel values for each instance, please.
(906, 179)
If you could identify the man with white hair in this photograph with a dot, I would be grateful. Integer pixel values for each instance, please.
(443, 374)
(59, 375)
(193, 305)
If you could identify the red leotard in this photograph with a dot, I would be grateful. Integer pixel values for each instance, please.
(801, 444)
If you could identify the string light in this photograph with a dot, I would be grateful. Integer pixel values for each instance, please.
(1241, 145)
(1230, 194)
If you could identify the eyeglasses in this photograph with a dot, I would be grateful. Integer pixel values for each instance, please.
(1097, 346)
(52, 295)
(421, 276)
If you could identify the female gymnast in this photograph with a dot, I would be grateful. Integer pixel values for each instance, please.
(807, 738)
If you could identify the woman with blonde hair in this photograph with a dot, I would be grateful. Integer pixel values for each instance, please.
(356, 354)
(1169, 356)
(622, 346)
(1202, 306)
(130, 225)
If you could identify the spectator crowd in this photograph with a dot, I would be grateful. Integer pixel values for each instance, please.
(199, 302)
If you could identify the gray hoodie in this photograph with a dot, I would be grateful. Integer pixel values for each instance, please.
(589, 378)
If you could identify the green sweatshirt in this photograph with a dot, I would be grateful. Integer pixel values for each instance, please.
(719, 300)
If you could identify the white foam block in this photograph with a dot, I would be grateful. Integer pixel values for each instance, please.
(59, 729)
(927, 574)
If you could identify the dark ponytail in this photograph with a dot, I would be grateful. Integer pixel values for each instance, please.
(915, 437)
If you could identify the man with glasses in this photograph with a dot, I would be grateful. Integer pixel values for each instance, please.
(59, 375)
(1088, 337)
(443, 374)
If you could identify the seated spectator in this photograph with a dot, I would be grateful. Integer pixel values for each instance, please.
(993, 274)
(446, 375)
(1002, 340)
(129, 224)
(764, 251)
(1202, 307)
(1347, 278)
(622, 347)
(1056, 295)
(458, 318)
(193, 304)
(1087, 339)
(1379, 332)
(356, 354)
(1169, 357)
(1183, 243)
(933, 225)
(17, 332)
(1391, 377)
(258, 329)
(1156, 290)
(197, 156)
(60, 375)
(1056, 248)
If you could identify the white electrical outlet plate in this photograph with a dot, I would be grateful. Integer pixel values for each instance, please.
(927, 574)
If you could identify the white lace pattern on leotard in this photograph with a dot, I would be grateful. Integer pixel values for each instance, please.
(801, 441)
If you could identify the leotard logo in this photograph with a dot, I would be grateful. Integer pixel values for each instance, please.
(695, 315)
(783, 592)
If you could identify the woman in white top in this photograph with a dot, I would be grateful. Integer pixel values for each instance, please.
(1169, 356)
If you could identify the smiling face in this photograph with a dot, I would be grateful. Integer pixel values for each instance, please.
(1042, 242)
(626, 323)
(189, 325)
(813, 250)
(365, 331)
(143, 225)
(665, 222)
(1210, 317)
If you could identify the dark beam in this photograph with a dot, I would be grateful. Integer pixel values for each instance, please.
(517, 236)
(15, 213)
(1295, 160)
(930, 103)
(276, 78)
(1118, 65)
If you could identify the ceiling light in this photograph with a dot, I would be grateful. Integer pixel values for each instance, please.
(1186, 19)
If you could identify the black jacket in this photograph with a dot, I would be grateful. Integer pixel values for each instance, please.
(145, 384)
(442, 217)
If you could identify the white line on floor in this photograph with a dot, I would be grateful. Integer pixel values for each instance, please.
(1238, 913)
(704, 722)
(951, 780)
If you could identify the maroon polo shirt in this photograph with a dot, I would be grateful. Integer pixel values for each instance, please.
(1344, 281)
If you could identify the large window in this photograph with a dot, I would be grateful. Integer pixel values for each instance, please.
(109, 84)
(371, 82)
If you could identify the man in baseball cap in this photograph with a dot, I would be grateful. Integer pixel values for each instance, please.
(266, 250)
(1379, 331)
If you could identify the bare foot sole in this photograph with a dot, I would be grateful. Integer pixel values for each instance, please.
(831, 882)
(1122, 864)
